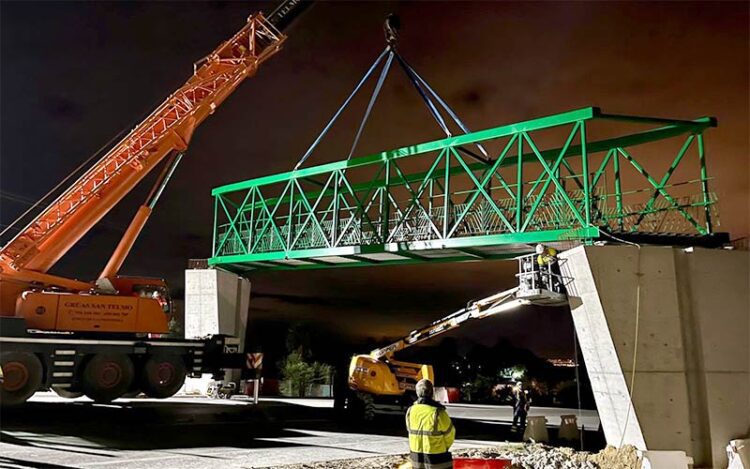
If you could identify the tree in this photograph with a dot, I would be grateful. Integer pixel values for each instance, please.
(322, 373)
(297, 373)
(300, 374)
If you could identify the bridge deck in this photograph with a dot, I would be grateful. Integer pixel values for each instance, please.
(442, 201)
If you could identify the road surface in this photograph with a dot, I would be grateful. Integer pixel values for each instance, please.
(53, 433)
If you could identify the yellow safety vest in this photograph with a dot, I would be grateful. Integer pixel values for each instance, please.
(547, 257)
(431, 432)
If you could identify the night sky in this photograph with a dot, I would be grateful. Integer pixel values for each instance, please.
(74, 74)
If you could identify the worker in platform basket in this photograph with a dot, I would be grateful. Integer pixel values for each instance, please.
(431, 431)
(549, 268)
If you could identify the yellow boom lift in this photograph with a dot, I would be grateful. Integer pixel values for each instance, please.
(378, 382)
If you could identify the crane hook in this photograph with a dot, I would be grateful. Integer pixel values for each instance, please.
(390, 28)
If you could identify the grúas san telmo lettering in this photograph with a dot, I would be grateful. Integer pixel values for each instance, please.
(103, 306)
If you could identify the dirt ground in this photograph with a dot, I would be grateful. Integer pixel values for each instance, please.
(528, 456)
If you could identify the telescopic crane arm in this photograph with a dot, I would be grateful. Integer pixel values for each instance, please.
(480, 309)
(166, 132)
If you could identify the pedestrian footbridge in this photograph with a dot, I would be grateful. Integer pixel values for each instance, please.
(564, 179)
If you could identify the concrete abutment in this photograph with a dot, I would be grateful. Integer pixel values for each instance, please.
(692, 359)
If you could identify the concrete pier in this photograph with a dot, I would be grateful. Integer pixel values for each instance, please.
(692, 358)
(216, 302)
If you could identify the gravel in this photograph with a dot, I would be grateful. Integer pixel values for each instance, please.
(528, 456)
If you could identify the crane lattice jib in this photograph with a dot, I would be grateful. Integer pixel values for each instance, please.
(170, 127)
(546, 181)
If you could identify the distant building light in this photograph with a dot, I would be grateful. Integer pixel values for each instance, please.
(562, 362)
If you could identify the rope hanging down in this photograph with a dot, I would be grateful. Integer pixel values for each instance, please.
(425, 91)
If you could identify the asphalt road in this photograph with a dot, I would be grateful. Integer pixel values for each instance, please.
(53, 433)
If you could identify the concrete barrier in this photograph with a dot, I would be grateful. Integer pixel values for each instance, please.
(536, 429)
(568, 428)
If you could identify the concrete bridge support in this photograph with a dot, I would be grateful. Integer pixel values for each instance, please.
(692, 359)
(216, 302)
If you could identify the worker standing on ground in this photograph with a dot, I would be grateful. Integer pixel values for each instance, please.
(431, 431)
(521, 405)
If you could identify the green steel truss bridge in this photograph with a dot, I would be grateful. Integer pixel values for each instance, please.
(545, 180)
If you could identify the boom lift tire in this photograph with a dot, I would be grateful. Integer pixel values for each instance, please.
(358, 407)
(107, 376)
(368, 406)
(163, 375)
(67, 393)
(22, 377)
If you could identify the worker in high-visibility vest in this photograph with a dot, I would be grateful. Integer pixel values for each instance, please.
(545, 255)
(431, 431)
(549, 268)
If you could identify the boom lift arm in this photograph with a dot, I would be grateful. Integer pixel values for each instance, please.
(480, 309)
(379, 375)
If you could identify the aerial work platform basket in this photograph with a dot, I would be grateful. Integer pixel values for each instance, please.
(542, 285)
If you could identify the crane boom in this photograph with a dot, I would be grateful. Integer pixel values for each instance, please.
(480, 309)
(169, 127)
(164, 134)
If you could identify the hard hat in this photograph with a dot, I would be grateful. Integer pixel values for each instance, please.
(540, 248)
(425, 389)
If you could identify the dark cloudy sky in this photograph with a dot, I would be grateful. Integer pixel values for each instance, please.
(75, 74)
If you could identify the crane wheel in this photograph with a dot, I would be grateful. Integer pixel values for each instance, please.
(107, 376)
(22, 377)
(163, 375)
(67, 393)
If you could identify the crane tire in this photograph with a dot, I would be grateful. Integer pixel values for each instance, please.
(107, 376)
(67, 393)
(22, 377)
(163, 375)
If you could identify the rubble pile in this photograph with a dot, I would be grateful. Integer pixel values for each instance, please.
(613, 458)
(538, 456)
(528, 456)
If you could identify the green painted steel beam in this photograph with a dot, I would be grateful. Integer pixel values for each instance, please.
(411, 249)
(474, 137)
(649, 120)
(406, 261)
(636, 139)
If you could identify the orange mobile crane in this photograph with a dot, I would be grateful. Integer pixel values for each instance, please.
(98, 337)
